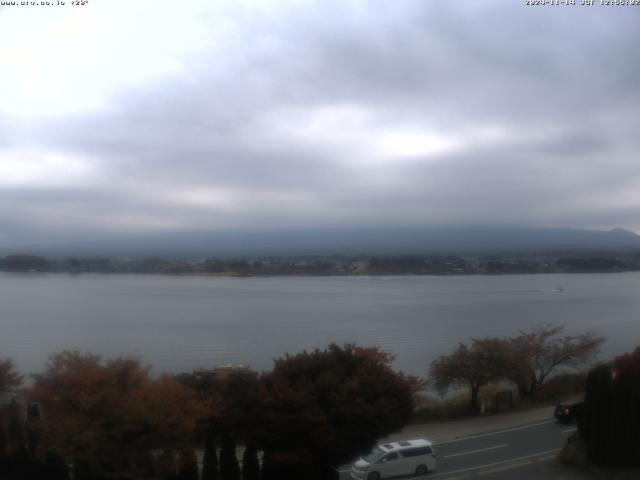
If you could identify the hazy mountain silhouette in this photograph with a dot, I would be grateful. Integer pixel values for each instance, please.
(347, 241)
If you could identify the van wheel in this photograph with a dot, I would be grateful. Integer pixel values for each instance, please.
(373, 476)
(421, 470)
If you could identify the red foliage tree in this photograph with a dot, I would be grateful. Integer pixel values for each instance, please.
(323, 408)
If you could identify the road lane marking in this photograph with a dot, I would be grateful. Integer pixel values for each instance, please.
(475, 451)
(523, 427)
(544, 459)
(569, 430)
(471, 452)
(505, 467)
(494, 464)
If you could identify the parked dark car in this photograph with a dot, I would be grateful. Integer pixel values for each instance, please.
(569, 412)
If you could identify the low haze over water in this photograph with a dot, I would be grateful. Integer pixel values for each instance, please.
(181, 323)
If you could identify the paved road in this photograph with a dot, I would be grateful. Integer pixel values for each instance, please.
(495, 454)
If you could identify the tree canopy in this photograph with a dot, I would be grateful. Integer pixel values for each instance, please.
(474, 366)
(107, 415)
(527, 359)
(324, 407)
(537, 353)
(111, 419)
(9, 378)
(610, 424)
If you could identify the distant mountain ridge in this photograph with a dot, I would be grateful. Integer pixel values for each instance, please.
(436, 240)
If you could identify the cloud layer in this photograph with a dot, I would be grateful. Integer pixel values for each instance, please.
(250, 115)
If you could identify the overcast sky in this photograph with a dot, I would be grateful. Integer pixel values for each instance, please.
(121, 117)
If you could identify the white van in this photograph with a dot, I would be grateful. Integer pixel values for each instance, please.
(411, 457)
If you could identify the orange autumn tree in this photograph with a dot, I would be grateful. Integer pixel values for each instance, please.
(9, 378)
(110, 418)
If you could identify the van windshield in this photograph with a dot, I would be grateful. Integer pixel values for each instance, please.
(376, 454)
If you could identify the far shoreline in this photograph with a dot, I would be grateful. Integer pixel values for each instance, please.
(302, 275)
(335, 265)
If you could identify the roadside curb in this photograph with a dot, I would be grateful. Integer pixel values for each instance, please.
(441, 432)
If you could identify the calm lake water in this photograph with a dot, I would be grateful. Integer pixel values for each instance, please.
(181, 323)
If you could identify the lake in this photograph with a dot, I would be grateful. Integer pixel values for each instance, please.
(178, 323)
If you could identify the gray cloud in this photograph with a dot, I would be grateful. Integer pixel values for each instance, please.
(285, 124)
